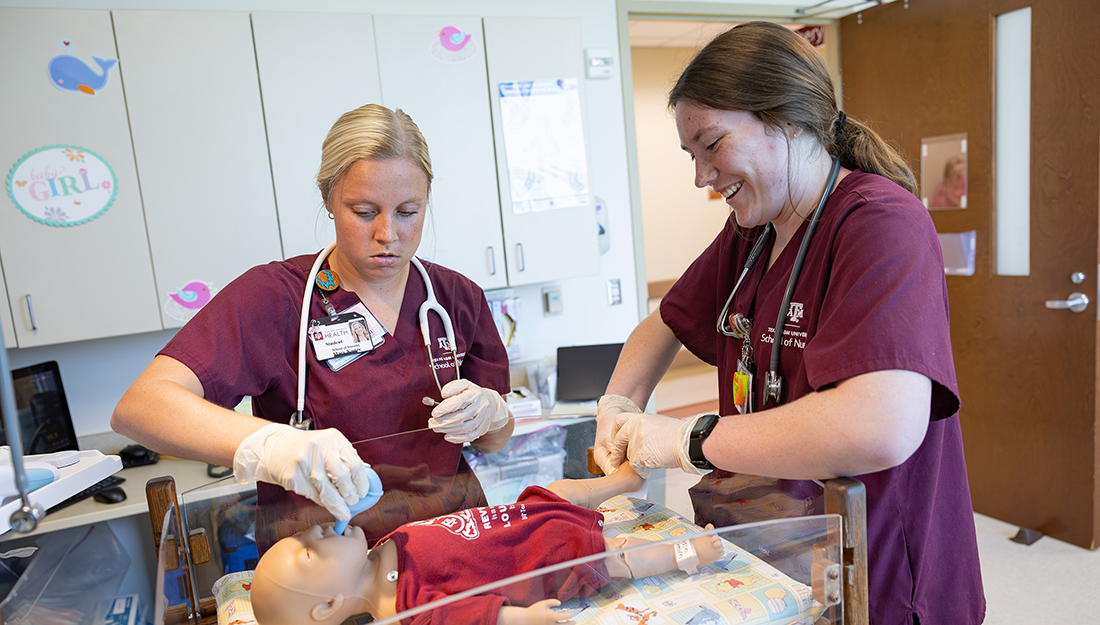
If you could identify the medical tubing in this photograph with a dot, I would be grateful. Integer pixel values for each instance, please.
(431, 303)
(754, 254)
(781, 322)
(306, 298)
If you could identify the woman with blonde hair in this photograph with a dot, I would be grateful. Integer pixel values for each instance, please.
(374, 179)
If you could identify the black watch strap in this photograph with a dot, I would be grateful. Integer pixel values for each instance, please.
(699, 433)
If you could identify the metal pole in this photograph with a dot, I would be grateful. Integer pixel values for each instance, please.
(27, 517)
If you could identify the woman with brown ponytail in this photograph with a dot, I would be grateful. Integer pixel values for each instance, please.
(862, 383)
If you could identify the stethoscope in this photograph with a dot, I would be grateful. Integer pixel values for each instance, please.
(773, 380)
(431, 304)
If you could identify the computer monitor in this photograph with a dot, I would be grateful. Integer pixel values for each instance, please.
(585, 370)
(45, 424)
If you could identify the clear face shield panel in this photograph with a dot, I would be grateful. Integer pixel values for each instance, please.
(777, 571)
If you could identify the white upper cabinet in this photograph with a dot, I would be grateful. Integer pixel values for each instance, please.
(198, 130)
(547, 209)
(433, 68)
(72, 235)
(313, 67)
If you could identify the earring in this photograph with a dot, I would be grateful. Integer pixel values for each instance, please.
(330, 215)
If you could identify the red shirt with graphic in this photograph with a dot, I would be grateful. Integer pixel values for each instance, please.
(456, 552)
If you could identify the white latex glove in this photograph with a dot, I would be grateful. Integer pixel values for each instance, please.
(468, 412)
(656, 441)
(321, 465)
(605, 452)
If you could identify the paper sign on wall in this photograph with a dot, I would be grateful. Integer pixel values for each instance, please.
(62, 185)
(544, 144)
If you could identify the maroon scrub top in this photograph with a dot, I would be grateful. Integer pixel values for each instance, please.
(871, 296)
(245, 343)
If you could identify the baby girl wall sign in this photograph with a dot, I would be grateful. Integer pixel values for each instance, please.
(62, 185)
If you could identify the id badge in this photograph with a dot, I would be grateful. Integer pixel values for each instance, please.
(377, 337)
(340, 335)
(742, 388)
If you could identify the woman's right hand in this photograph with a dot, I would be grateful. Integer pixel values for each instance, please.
(320, 465)
(607, 454)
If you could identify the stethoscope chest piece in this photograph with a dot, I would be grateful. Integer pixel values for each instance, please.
(773, 386)
(298, 423)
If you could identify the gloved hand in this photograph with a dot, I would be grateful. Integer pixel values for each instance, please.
(468, 412)
(656, 441)
(605, 452)
(321, 465)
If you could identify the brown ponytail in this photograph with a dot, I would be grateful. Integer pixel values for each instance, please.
(772, 72)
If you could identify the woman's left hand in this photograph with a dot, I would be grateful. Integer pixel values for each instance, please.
(468, 412)
(655, 441)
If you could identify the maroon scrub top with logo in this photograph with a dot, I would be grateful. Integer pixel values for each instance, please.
(871, 296)
(245, 343)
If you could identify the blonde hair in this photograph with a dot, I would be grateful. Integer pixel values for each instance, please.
(370, 132)
(769, 71)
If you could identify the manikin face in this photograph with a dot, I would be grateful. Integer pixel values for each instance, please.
(317, 563)
(379, 207)
(739, 157)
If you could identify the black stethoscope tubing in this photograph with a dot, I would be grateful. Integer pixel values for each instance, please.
(773, 381)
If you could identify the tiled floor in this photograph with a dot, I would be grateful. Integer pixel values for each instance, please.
(1049, 581)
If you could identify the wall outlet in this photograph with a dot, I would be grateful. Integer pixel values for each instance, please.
(551, 301)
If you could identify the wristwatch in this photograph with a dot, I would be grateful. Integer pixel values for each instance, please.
(699, 433)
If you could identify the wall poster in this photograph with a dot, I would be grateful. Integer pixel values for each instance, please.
(544, 144)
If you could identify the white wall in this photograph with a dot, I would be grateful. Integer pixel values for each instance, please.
(96, 373)
(679, 219)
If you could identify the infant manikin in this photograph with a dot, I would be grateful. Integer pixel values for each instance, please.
(319, 577)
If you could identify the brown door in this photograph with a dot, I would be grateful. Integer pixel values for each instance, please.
(1027, 374)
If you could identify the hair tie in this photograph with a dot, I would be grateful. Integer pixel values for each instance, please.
(840, 121)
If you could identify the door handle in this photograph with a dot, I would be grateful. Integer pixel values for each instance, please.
(1077, 302)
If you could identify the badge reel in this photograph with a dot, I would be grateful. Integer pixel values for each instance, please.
(341, 338)
(743, 378)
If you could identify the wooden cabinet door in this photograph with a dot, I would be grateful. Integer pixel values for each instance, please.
(558, 243)
(433, 68)
(73, 273)
(193, 94)
(1027, 374)
(313, 67)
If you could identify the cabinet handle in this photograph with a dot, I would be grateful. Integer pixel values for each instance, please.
(492, 258)
(519, 256)
(30, 313)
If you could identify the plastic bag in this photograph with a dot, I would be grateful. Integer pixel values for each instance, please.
(530, 459)
(72, 572)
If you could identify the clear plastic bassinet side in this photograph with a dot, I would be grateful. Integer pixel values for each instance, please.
(784, 571)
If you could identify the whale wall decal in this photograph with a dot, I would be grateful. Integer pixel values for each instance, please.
(70, 73)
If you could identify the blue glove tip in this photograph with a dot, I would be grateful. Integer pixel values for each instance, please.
(374, 493)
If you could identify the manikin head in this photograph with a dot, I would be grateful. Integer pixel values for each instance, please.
(315, 576)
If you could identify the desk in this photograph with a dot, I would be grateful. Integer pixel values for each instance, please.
(187, 473)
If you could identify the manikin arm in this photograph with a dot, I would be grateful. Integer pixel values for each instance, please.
(541, 613)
